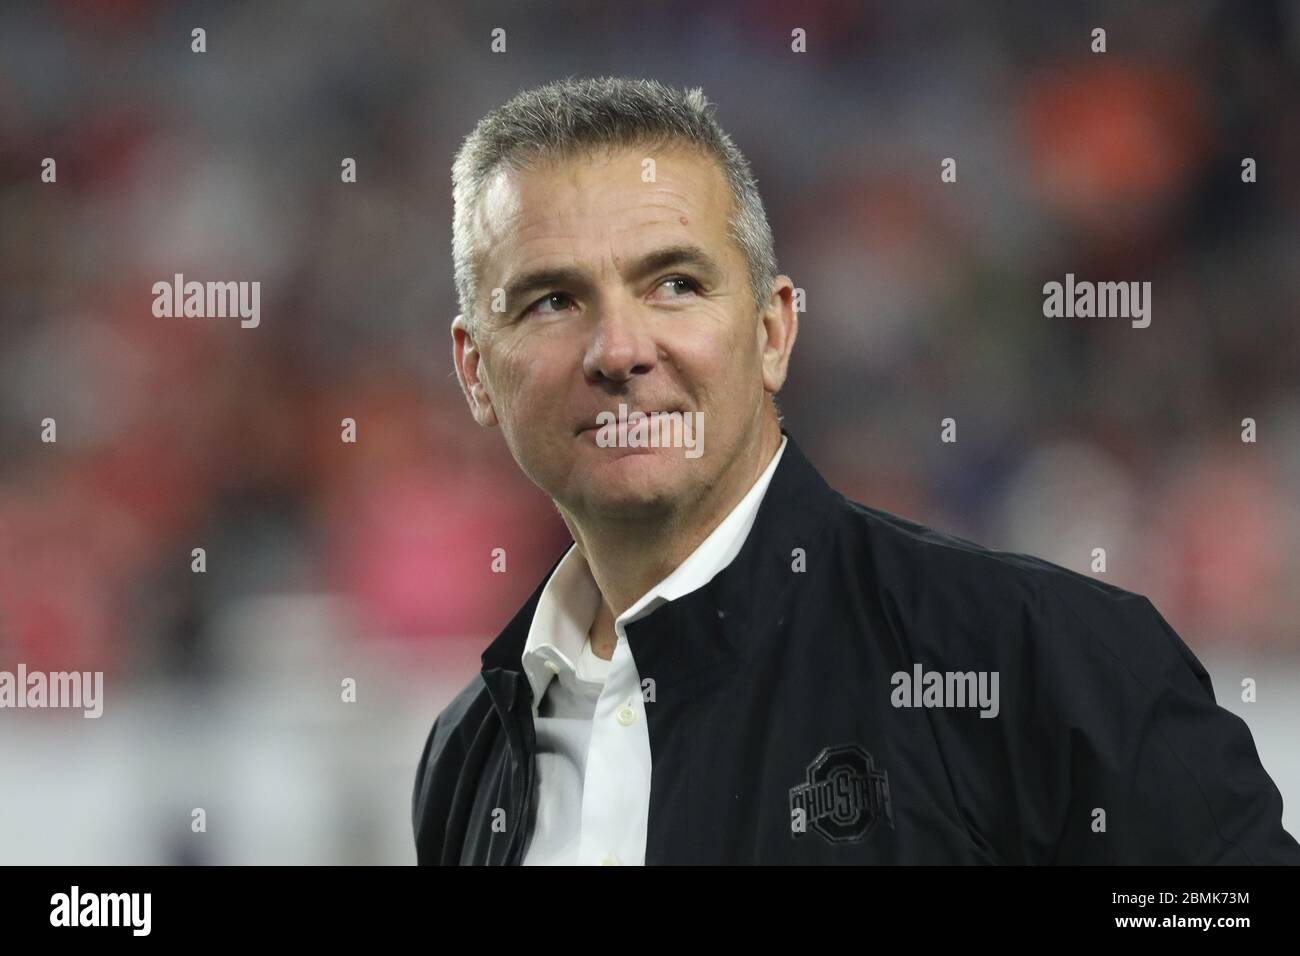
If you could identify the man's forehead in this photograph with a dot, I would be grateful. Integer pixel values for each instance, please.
(602, 196)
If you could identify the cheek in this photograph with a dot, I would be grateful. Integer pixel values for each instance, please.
(739, 355)
(522, 385)
(736, 377)
(505, 373)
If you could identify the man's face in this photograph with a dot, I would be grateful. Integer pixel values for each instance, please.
(616, 290)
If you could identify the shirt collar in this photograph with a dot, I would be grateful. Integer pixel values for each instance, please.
(570, 599)
(565, 610)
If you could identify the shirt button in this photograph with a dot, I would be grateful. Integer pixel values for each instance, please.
(610, 860)
(626, 716)
(553, 667)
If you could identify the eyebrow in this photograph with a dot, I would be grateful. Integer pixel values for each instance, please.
(667, 257)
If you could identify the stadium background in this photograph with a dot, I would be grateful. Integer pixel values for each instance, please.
(327, 560)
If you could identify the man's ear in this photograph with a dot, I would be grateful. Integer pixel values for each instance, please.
(776, 333)
(469, 372)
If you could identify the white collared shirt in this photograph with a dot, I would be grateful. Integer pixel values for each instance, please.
(593, 748)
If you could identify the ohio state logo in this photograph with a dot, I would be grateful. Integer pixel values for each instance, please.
(843, 797)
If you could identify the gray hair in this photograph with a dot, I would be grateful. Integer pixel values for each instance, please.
(567, 117)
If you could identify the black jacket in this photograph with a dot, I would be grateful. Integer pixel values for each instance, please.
(776, 737)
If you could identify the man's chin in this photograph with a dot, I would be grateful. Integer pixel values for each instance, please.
(636, 482)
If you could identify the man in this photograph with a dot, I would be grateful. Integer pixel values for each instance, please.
(733, 663)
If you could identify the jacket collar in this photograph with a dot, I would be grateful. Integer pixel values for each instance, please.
(712, 625)
(716, 625)
(503, 671)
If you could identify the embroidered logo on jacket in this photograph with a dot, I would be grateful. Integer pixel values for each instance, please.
(843, 797)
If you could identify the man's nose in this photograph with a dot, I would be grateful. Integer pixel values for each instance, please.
(620, 348)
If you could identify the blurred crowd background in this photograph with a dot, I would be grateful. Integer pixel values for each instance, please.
(371, 560)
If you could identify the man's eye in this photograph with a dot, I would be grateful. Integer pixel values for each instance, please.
(681, 284)
(539, 305)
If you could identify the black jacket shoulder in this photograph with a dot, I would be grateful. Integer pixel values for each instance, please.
(1109, 728)
(998, 600)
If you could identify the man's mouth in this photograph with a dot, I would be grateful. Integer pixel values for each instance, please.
(613, 418)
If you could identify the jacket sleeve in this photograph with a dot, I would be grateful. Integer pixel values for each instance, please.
(418, 797)
(443, 801)
(1156, 771)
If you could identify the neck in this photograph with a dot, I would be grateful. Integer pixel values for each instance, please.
(629, 557)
